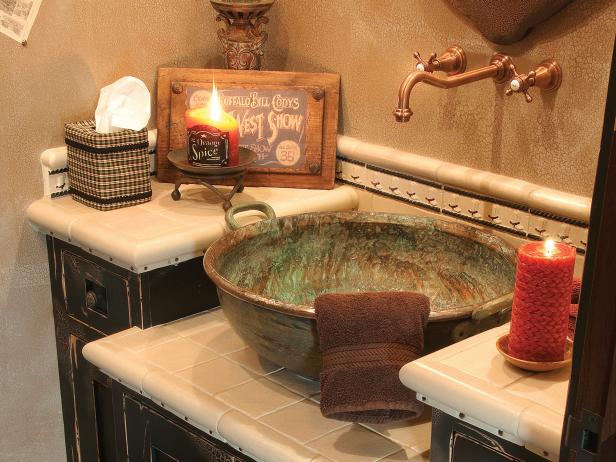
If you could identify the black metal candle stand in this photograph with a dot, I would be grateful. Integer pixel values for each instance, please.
(206, 176)
(207, 180)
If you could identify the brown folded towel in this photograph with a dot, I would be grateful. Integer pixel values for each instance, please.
(365, 339)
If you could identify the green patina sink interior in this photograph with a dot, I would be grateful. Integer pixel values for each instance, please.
(269, 273)
(453, 265)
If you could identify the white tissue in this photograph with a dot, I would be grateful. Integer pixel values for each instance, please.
(123, 104)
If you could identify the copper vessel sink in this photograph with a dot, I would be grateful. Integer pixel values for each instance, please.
(269, 273)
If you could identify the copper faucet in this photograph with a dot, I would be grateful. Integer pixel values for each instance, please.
(499, 69)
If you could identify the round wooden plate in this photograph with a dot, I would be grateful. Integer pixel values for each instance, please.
(502, 345)
(178, 158)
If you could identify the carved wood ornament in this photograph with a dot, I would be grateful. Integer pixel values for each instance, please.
(242, 38)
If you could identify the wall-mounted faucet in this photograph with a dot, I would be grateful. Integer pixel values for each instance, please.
(547, 76)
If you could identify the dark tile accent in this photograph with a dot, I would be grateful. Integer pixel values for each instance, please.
(351, 161)
(482, 197)
(551, 216)
(434, 208)
(358, 186)
(483, 222)
(405, 176)
(60, 194)
(508, 230)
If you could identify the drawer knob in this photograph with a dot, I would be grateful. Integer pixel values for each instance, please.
(91, 299)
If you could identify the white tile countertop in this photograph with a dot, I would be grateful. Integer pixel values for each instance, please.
(472, 379)
(200, 370)
(163, 232)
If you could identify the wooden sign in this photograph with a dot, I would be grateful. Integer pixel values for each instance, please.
(289, 119)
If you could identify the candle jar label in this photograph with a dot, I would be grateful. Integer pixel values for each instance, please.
(207, 146)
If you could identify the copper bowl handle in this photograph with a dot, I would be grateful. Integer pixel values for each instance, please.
(260, 206)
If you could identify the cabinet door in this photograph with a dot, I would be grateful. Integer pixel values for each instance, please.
(87, 404)
(152, 437)
(456, 441)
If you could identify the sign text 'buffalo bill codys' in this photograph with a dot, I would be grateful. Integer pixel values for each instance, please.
(271, 122)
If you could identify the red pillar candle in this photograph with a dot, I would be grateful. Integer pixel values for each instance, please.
(541, 300)
(212, 135)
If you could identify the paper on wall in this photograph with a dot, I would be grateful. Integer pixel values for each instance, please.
(17, 18)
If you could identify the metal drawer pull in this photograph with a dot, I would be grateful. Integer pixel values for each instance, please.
(90, 299)
(96, 298)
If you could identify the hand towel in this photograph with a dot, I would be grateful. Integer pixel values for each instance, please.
(365, 339)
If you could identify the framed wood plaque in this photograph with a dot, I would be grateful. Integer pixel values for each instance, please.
(289, 119)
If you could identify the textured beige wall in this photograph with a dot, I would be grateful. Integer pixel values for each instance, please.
(552, 141)
(77, 46)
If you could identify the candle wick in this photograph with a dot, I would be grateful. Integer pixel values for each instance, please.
(549, 247)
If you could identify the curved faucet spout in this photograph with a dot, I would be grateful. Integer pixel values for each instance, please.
(498, 70)
(403, 112)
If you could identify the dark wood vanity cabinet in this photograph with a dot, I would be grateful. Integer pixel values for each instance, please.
(151, 434)
(454, 440)
(93, 298)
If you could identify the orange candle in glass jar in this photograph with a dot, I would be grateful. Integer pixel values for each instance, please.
(213, 137)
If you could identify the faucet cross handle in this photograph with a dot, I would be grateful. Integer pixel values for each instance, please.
(547, 76)
(428, 66)
(521, 83)
(452, 61)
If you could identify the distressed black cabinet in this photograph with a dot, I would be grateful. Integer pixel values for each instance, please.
(456, 441)
(93, 298)
(151, 434)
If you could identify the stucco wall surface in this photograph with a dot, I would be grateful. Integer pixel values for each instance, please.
(78, 46)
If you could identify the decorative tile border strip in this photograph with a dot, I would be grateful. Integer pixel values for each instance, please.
(472, 181)
(481, 209)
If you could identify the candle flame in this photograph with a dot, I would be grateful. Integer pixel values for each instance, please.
(549, 247)
(215, 108)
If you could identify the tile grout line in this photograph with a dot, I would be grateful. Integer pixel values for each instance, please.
(345, 424)
(249, 369)
(289, 388)
(325, 434)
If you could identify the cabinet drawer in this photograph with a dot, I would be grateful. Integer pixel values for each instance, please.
(95, 295)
